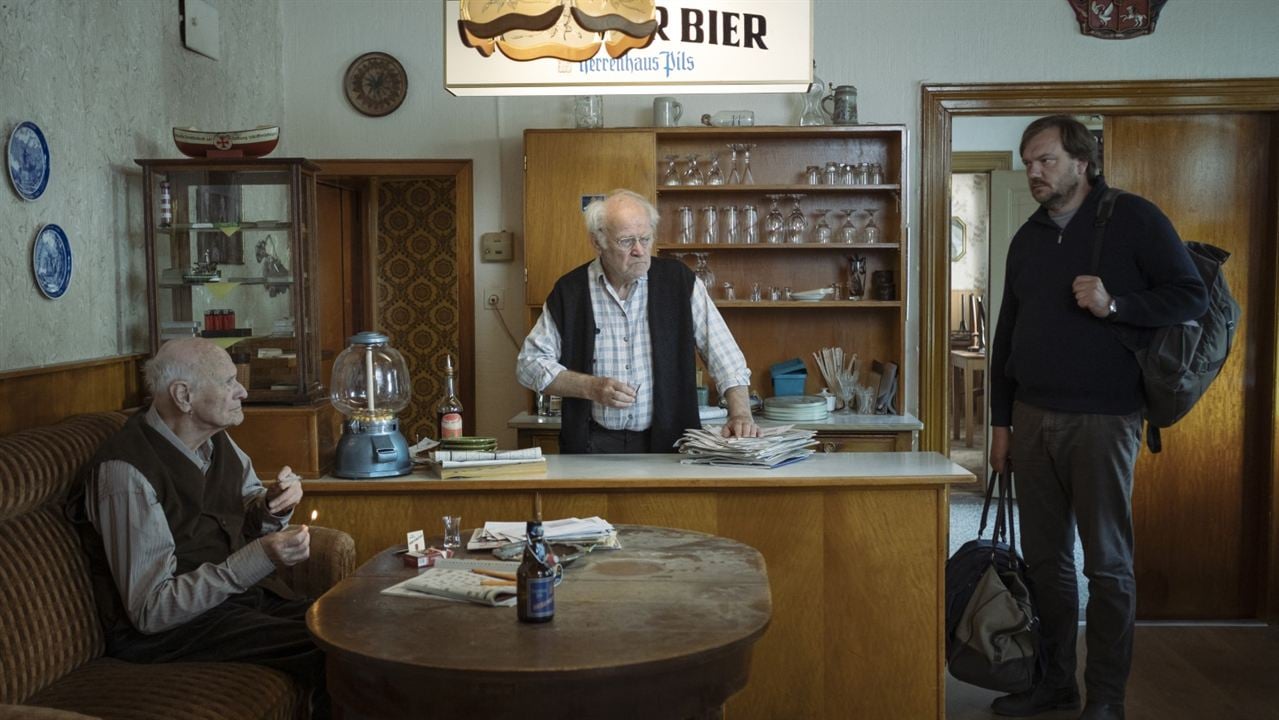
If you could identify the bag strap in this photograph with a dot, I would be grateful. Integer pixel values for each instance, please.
(985, 508)
(1006, 497)
(1105, 209)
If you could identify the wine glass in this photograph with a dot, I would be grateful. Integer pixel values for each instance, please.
(846, 386)
(734, 177)
(796, 223)
(714, 176)
(821, 231)
(747, 178)
(872, 232)
(693, 174)
(774, 223)
(848, 233)
(671, 176)
(703, 270)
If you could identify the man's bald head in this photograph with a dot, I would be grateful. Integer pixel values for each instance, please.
(189, 360)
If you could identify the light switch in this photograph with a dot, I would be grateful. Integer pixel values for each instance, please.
(497, 247)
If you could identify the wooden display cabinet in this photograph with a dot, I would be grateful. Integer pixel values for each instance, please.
(565, 167)
(230, 256)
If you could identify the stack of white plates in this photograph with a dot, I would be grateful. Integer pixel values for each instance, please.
(795, 408)
(811, 295)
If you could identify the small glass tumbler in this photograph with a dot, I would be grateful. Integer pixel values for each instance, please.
(588, 111)
(452, 531)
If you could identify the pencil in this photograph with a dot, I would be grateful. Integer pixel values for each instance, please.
(494, 574)
(498, 583)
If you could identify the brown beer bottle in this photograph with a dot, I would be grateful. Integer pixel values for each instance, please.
(535, 578)
(448, 414)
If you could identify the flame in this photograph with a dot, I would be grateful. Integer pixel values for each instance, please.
(314, 514)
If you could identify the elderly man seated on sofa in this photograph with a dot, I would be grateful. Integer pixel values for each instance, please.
(182, 536)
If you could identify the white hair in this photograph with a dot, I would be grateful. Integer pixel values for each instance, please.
(596, 216)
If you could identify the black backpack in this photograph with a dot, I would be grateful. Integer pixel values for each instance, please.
(1178, 362)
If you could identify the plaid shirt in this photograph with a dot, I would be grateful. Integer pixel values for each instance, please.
(624, 348)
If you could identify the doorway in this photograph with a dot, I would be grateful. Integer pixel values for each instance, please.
(395, 256)
(1227, 492)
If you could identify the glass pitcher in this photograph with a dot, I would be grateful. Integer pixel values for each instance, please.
(814, 113)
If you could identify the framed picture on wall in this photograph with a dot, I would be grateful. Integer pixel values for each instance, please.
(958, 238)
(219, 206)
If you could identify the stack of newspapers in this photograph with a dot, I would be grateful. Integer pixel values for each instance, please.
(449, 464)
(569, 531)
(775, 446)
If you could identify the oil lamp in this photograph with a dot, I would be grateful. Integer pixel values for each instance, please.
(370, 385)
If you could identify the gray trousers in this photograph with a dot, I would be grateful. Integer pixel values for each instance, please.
(1074, 468)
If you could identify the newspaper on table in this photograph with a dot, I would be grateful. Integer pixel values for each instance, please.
(568, 531)
(456, 584)
(775, 447)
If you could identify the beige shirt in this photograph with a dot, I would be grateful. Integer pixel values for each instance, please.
(125, 511)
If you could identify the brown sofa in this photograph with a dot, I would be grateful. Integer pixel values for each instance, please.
(51, 644)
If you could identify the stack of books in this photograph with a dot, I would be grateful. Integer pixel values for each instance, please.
(450, 464)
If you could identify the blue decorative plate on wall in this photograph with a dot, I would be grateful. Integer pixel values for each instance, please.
(51, 261)
(28, 158)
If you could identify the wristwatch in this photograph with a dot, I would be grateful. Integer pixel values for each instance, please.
(1112, 308)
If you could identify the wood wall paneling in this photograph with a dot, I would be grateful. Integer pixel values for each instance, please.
(40, 396)
(1205, 172)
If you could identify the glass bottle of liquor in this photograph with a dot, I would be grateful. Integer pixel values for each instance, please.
(448, 413)
(535, 578)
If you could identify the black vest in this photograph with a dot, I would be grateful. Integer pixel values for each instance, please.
(205, 513)
(670, 326)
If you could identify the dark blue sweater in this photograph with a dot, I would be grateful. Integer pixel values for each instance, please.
(1053, 354)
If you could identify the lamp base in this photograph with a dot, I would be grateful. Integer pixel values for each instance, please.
(362, 455)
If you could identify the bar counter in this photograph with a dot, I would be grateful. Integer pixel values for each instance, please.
(855, 546)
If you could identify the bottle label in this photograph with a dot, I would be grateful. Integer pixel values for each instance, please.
(451, 425)
(541, 597)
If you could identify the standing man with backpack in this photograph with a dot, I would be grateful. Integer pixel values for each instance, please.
(1066, 403)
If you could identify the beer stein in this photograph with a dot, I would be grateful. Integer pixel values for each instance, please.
(843, 100)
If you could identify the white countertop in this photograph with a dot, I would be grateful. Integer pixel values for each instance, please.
(832, 423)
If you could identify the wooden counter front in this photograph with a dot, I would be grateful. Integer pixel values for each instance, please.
(855, 544)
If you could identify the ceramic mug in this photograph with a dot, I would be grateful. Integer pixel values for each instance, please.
(667, 111)
(843, 100)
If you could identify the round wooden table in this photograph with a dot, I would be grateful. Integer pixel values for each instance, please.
(662, 628)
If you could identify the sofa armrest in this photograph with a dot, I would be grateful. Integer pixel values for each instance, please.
(34, 712)
(332, 559)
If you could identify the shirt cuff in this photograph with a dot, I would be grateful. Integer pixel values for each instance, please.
(250, 564)
(732, 382)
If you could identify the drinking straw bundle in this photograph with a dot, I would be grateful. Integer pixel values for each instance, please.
(830, 361)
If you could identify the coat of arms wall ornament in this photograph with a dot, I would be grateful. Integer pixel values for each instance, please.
(1116, 19)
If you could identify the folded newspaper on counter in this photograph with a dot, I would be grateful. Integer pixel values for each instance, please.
(568, 531)
(775, 446)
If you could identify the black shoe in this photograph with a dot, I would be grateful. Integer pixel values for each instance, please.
(1103, 711)
(1039, 699)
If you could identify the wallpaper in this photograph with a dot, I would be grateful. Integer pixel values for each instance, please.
(111, 94)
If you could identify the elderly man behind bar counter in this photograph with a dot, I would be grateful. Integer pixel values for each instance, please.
(616, 340)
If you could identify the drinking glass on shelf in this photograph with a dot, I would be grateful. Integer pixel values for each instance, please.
(686, 229)
(671, 176)
(750, 224)
(846, 386)
(830, 174)
(848, 232)
(703, 270)
(693, 174)
(872, 232)
(821, 231)
(734, 177)
(747, 178)
(847, 175)
(813, 175)
(774, 223)
(796, 223)
(755, 294)
(729, 229)
(729, 292)
(856, 277)
(714, 176)
(876, 174)
(710, 225)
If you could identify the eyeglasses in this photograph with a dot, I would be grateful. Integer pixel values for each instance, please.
(628, 243)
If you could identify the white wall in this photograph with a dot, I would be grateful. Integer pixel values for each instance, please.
(106, 82)
(126, 65)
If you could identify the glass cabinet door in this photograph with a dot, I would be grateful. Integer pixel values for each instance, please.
(230, 258)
